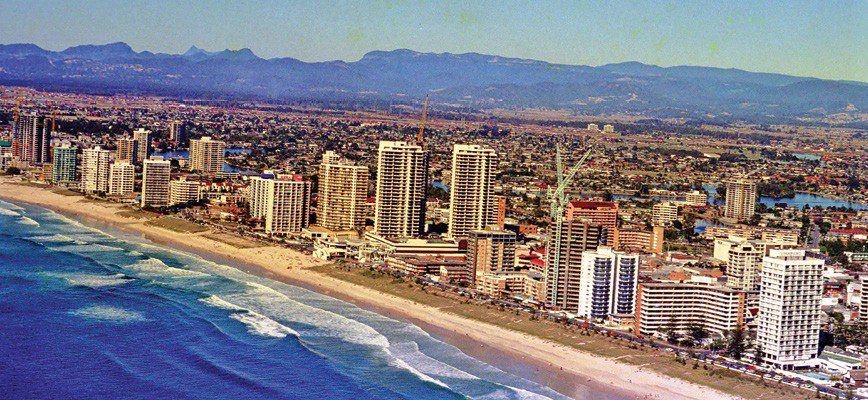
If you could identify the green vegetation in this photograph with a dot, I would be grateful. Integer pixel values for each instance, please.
(776, 189)
(177, 225)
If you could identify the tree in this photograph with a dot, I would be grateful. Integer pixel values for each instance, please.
(735, 345)
(758, 354)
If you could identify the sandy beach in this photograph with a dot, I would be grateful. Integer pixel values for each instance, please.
(292, 267)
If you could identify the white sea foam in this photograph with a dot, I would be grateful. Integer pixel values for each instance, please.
(27, 221)
(325, 323)
(399, 363)
(262, 325)
(409, 353)
(216, 301)
(92, 280)
(7, 212)
(52, 238)
(154, 267)
(110, 314)
(88, 248)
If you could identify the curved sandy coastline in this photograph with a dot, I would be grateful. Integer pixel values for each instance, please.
(625, 379)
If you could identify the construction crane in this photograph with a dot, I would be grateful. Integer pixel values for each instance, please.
(422, 126)
(558, 200)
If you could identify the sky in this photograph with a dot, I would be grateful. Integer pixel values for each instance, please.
(825, 39)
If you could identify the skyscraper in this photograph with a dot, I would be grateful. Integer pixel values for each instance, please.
(343, 188)
(608, 283)
(788, 323)
(128, 150)
(155, 182)
(402, 176)
(95, 170)
(490, 250)
(33, 135)
(281, 202)
(740, 199)
(143, 139)
(471, 195)
(602, 213)
(122, 176)
(206, 155)
(64, 161)
(178, 133)
(563, 278)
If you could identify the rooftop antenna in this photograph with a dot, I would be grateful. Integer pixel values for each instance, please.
(422, 126)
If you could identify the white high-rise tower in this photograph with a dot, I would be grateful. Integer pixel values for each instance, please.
(471, 195)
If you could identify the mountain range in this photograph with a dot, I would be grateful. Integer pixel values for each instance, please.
(462, 80)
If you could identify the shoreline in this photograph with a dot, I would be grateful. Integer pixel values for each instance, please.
(286, 265)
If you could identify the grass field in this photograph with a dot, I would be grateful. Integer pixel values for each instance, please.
(137, 214)
(646, 357)
(234, 241)
(176, 225)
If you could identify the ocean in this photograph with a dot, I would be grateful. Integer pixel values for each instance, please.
(88, 315)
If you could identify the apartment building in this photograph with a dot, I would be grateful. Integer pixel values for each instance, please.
(490, 250)
(122, 177)
(32, 134)
(156, 173)
(281, 202)
(128, 150)
(182, 191)
(741, 197)
(667, 305)
(743, 259)
(696, 198)
(206, 155)
(402, 178)
(602, 213)
(640, 240)
(95, 170)
(788, 323)
(143, 143)
(564, 267)
(343, 189)
(664, 214)
(471, 194)
(64, 163)
(608, 283)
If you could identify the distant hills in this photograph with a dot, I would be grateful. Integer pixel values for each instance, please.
(463, 80)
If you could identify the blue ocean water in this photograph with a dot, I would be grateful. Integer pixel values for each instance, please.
(87, 315)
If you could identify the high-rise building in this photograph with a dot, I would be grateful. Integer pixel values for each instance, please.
(664, 214)
(563, 278)
(402, 178)
(602, 213)
(143, 139)
(788, 323)
(743, 259)
(667, 305)
(490, 250)
(156, 173)
(740, 199)
(608, 128)
(178, 133)
(128, 150)
(95, 170)
(33, 136)
(638, 240)
(122, 177)
(608, 283)
(471, 195)
(182, 191)
(343, 188)
(500, 204)
(206, 155)
(64, 163)
(281, 202)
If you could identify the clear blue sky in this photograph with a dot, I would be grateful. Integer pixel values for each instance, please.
(827, 39)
